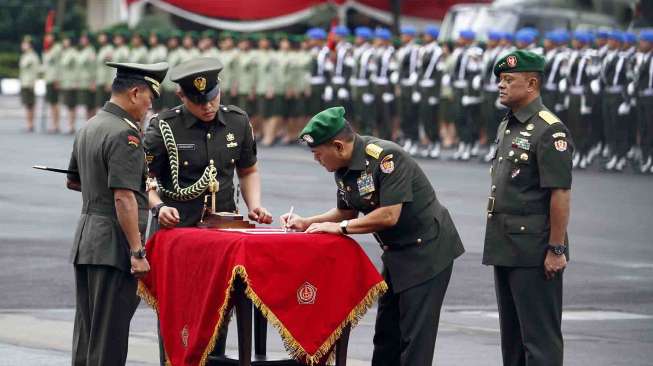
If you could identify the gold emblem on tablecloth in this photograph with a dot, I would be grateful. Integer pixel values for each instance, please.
(184, 336)
(306, 294)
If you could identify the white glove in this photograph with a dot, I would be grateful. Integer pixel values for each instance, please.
(343, 93)
(624, 108)
(558, 107)
(446, 80)
(633, 102)
(416, 97)
(466, 100)
(585, 110)
(476, 82)
(394, 77)
(631, 88)
(328, 94)
(388, 97)
(433, 100)
(595, 85)
(562, 86)
(368, 98)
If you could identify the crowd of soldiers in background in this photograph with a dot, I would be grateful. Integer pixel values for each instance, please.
(424, 94)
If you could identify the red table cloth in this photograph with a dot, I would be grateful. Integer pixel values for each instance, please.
(308, 286)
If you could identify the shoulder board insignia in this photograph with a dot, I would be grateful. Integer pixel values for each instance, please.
(233, 108)
(170, 113)
(373, 150)
(548, 117)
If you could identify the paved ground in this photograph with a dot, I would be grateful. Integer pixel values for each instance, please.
(608, 292)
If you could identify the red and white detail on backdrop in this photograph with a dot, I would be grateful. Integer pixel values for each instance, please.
(255, 15)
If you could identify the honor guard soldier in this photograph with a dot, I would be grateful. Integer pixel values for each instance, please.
(227, 55)
(527, 216)
(340, 66)
(188, 50)
(85, 68)
(189, 146)
(68, 80)
(245, 75)
(642, 87)
(577, 86)
(121, 50)
(104, 74)
(429, 84)
(29, 69)
(268, 89)
(363, 108)
(318, 73)
(468, 65)
(417, 235)
(492, 109)
(138, 52)
(555, 67)
(108, 166)
(157, 53)
(51, 74)
(407, 57)
(383, 88)
(526, 39)
(168, 95)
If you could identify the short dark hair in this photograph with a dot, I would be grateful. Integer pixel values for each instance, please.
(346, 134)
(121, 85)
(537, 75)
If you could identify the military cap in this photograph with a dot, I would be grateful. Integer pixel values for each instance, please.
(226, 34)
(27, 38)
(602, 34)
(494, 35)
(198, 78)
(278, 36)
(316, 33)
(255, 36)
(296, 38)
(530, 30)
(363, 32)
(519, 61)
(176, 34)
(630, 37)
(524, 36)
(432, 31)
(341, 30)
(646, 35)
(383, 33)
(467, 34)
(582, 36)
(209, 33)
(152, 74)
(408, 30)
(508, 36)
(191, 34)
(323, 126)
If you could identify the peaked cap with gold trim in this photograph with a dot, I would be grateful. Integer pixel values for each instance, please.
(198, 78)
(152, 74)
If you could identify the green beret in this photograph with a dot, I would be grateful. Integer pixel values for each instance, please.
(519, 61)
(209, 33)
(323, 126)
(296, 38)
(278, 36)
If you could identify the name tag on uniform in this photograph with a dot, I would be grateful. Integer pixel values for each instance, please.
(365, 184)
(232, 144)
(521, 143)
(185, 146)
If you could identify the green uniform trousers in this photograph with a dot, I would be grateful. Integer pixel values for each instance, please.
(106, 301)
(530, 315)
(407, 322)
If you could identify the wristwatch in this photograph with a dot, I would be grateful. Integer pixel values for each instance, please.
(558, 249)
(140, 254)
(343, 226)
(155, 210)
(151, 184)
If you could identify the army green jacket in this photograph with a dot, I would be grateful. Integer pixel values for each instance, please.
(103, 73)
(534, 150)
(85, 67)
(51, 60)
(425, 240)
(107, 154)
(227, 141)
(29, 66)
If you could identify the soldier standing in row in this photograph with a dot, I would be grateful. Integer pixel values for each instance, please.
(227, 55)
(169, 97)
(340, 67)
(51, 74)
(318, 70)
(29, 69)
(85, 66)
(138, 51)
(407, 58)
(362, 92)
(383, 88)
(491, 107)
(103, 74)
(68, 81)
(432, 67)
(268, 90)
(155, 54)
(643, 90)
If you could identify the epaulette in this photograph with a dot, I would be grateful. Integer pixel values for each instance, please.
(548, 117)
(233, 108)
(170, 113)
(373, 150)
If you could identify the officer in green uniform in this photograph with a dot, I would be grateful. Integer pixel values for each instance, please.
(417, 235)
(108, 166)
(103, 74)
(268, 89)
(157, 53)
(169, 98)
(245, 76)
(29, 68)
(227, 55)
(527, 215)
(189, 145)
(51, 59)
(138, 52)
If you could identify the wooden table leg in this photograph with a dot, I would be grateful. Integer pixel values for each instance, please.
(260, 333)
(244, 323)
(341, 347)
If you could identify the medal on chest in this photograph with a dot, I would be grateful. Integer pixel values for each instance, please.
(365, 184)
(521, 143)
